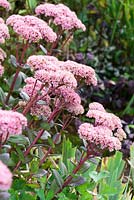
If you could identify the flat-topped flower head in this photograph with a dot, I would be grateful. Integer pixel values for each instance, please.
(100, 136)
(31, 28)
(48, 63)
(56, 79)
(5, 177)
(106, 132)
(4, 32)
(5, 4)
(96, 106)
(11, 123)
(104, 118)
(81, 71)
(61, 15)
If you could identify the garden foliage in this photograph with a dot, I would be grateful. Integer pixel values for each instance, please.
(54, 146)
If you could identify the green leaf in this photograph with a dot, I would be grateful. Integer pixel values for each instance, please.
(14, 195)
(21, 76)
(13, 61)
(84, 167)
(34, 166)
(131, 162)
(32, 4)
(24, 96)
(43, 49)
(77, 180)
(78, 155)
(108, 190)
(50, 195)
(19, 139)
(68, 152)
(46, 126)
(2, 96)
(26, 196)
(63, 168)
(20, 153)
(45, 135)
(4, 157)
(98, 176)
(40, 193)
(40, 173)
(58, 178)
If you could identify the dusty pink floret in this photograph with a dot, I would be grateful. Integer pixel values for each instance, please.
(105, 119)
(70, 100)
(4, 32)
(62, 16)
(48, 63)
(5, 4)
(120, 134)
(81, 71)
(5, 177)
(31, 28)
(96, 106)
(48, 9)
(11, 123)
(51, 63)
(101, 136)
(40, 110)
(1, 21)
(57, 78)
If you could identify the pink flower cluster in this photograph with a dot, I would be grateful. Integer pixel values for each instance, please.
(48, 63)
(61, 77)
(4, 32)
(104, 119)
(71, 100)
(56, 79)
(51, 63)
(11, 123)
(31, 28)
(61, 15)
(5, 4)
(5, 177)
(81, 71)
(41, 110)
(106, 132)
(2, 57)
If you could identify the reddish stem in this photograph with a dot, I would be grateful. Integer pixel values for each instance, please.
(40, 133)
(29, 148)
(70, 177)
(66, 40)
(55, 140)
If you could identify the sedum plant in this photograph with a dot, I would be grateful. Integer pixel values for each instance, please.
(40, 101)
